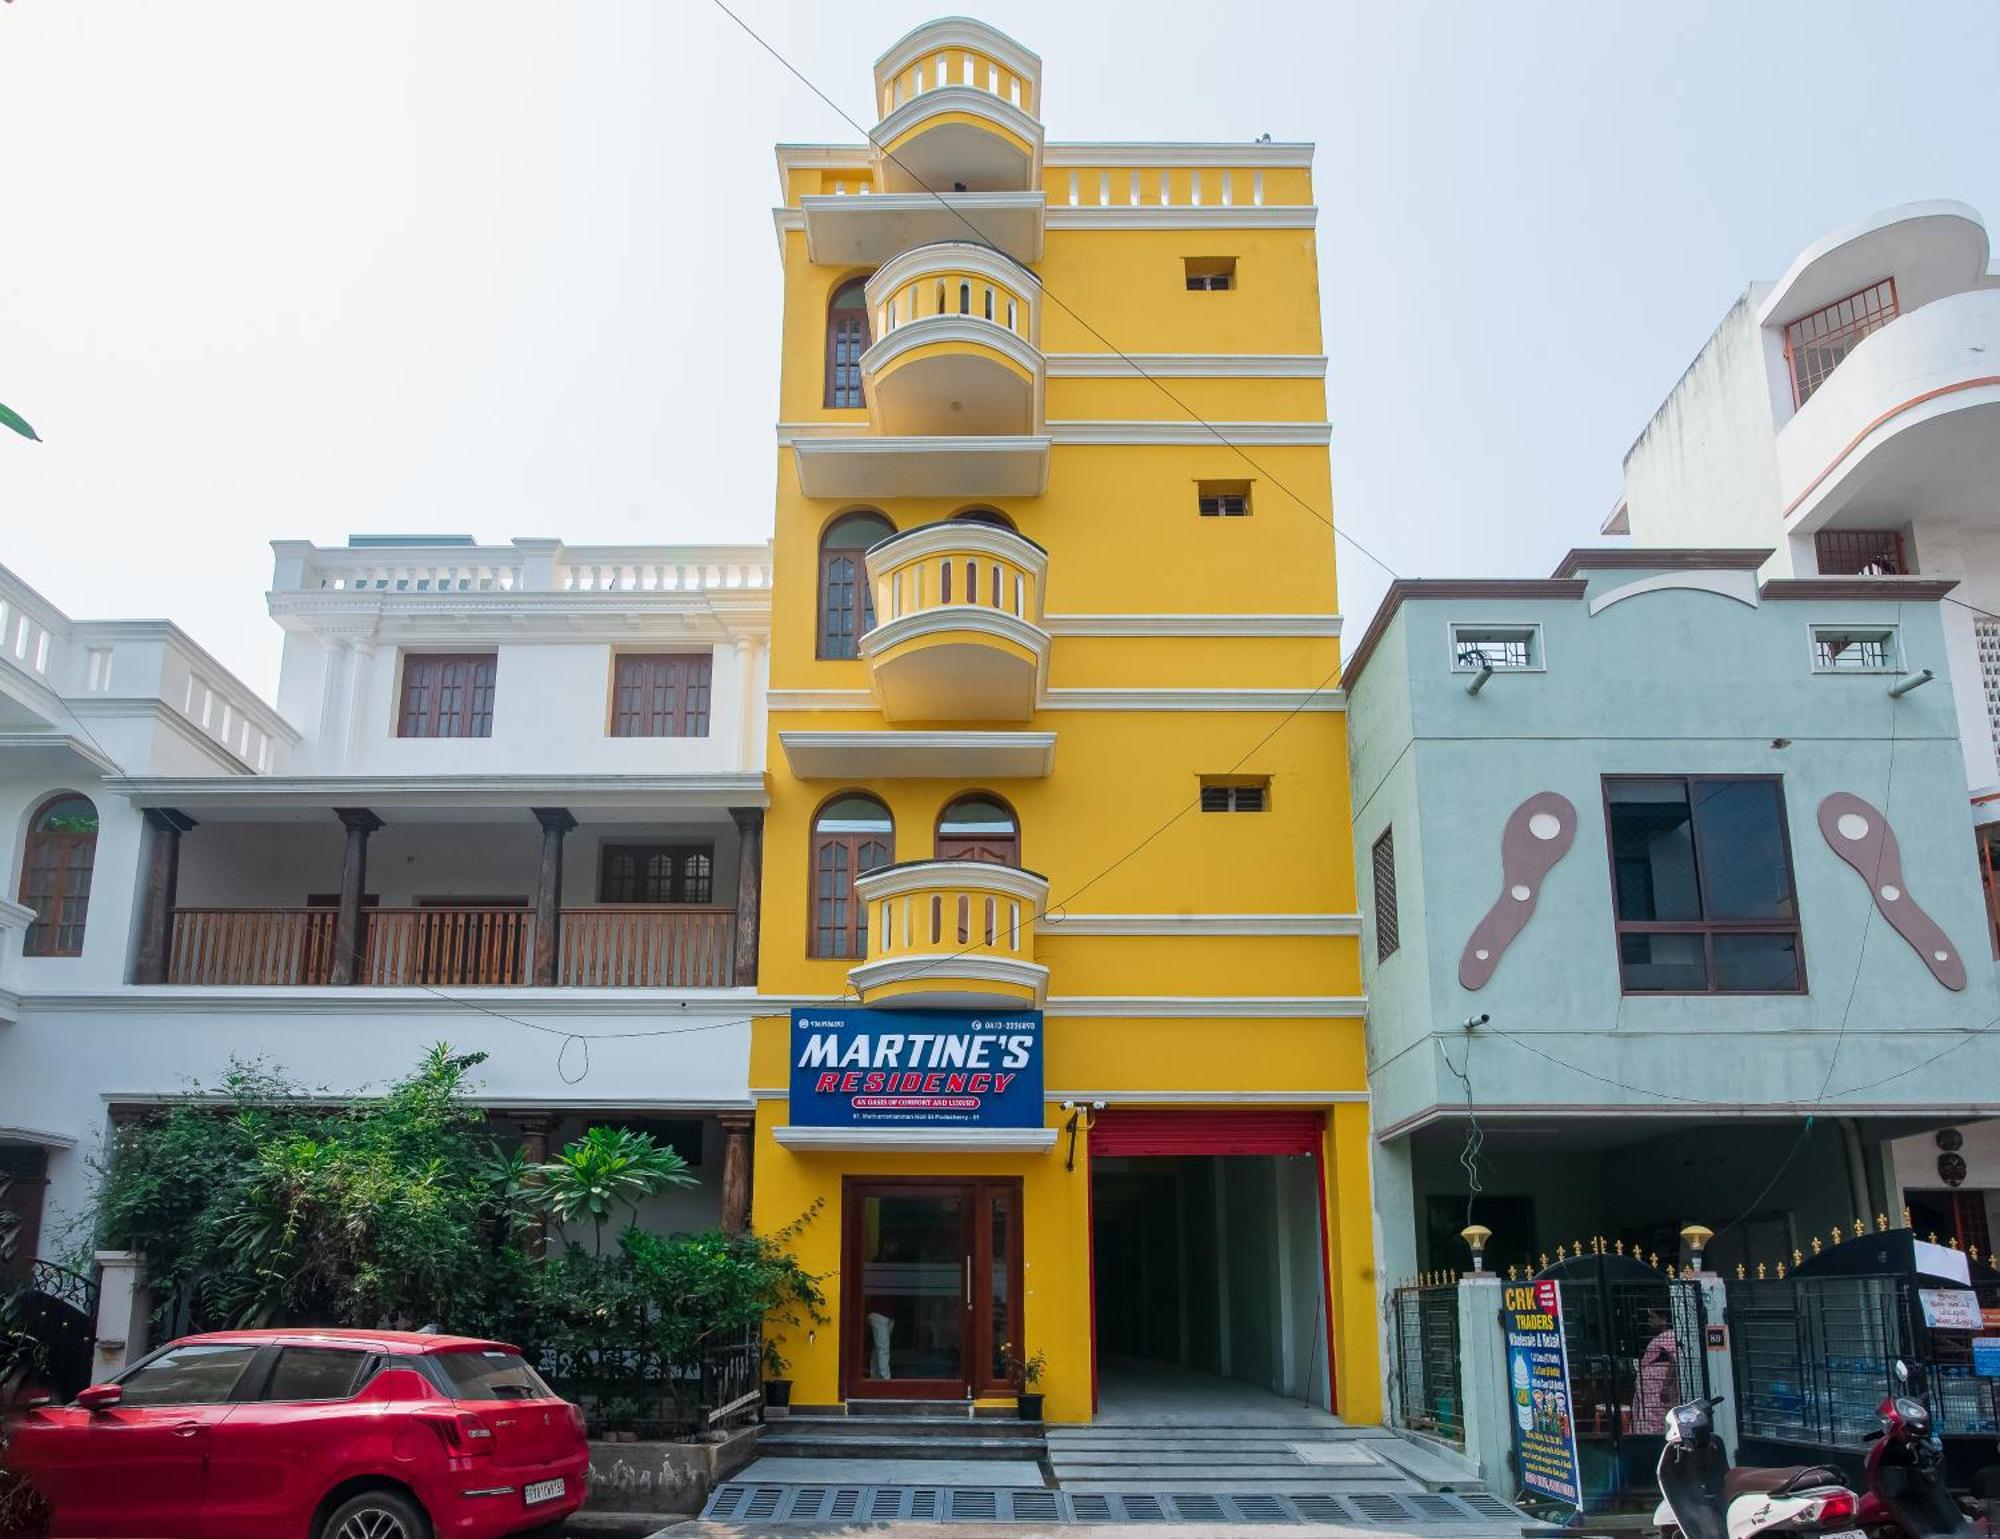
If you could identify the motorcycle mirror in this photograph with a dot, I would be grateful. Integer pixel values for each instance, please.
(1902, 1371)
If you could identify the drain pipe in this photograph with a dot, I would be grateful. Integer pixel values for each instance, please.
(1857, 1167)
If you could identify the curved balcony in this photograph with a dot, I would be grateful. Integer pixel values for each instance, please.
(951, 934)
(956, 355)
(961, 107)
(1908, 423)
(958, 637)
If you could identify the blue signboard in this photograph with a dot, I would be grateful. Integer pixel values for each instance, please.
(1538, 1376)
(856, 1068)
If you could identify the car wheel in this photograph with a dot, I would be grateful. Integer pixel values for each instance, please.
(377, 1515)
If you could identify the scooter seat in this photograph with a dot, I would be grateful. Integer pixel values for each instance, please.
(1748, 1480)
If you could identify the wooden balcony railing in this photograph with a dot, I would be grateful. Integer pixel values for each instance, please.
(631, 945)
(614, 946)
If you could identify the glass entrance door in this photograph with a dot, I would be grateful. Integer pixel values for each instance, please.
(932, 1286)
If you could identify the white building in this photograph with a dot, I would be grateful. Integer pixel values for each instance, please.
(512, 798)
(1847, 416)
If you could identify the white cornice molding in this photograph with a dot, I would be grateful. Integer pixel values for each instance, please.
(1205, 216)
(972, 101)
(1267, 1007)
(1170, 154)
(955, 536)
(950, 619)
(114, 708)
(1232, 700)
(1186, 365)
(1201, 924)
(1303, 434)
(917, 1140)
(48, 1138)
(921, 876)
(717, 1008)
(1192, 625)
(88, 754)
(944, 33)
(919, 755)
(743, 789)
(953, 256)
(952, 974)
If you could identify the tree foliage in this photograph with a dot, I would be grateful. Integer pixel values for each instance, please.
(608, 1166)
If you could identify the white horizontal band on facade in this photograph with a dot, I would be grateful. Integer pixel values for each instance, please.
(1267, 434)
(1261, 154)
(1191, 625)
(1269, 1007)
(1204, 216)
(704, 1009)
(918, 1140)
(1269, 701)
(715, 790)
(1201, 924)
(1186, 365)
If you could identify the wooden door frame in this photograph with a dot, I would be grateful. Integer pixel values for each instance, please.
(975, 1343)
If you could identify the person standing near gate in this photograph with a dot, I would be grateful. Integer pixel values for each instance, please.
(1659, 1379)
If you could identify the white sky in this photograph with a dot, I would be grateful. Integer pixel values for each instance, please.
(493, 268)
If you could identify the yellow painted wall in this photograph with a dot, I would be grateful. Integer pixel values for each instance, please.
(1113, 827)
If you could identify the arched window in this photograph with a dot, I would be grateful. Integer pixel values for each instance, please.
(979, 827)
(852, 836)
(846, 340)
(991, 516)
(846, 608)
(55, 875)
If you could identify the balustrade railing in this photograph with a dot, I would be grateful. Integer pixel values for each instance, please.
(527, 566)
(645, 946)
(969, 67)
(951, 291)
(609, 946)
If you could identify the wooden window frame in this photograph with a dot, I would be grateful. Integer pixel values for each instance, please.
(73, 861)
(661, 694)
(854, 931)
(472, 715)
(861, 603)
(831, 376)
(939, 839)
(678, 882)
(1707, 928)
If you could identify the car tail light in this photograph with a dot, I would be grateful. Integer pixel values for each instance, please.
(1837, 1508)
(575, 1417)
(462, 1432)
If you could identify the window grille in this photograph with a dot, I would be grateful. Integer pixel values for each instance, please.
(1388, 929)
(1815, 344)
(1234, 796)
(1222, 499)
(1840, 649)
(1494, 646)
(1210, 274)
(1986, 634)
(1861, 553)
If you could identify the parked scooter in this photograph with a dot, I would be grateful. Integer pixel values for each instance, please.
(1905, 1485)
(1703, 1498)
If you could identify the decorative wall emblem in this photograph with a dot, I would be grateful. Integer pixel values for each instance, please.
(1862, 837)
(1538, 834)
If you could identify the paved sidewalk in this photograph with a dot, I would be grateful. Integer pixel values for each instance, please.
(695, 1529)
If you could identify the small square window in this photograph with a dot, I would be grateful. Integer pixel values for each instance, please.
(1495, 646)
(1223, 499)
(1211, 274)
(1856, 649)
(1235, 793)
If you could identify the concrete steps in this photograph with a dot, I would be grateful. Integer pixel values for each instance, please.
(900, 1430)
(1188, 1461)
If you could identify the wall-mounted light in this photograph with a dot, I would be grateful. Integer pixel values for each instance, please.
(1086, 1115)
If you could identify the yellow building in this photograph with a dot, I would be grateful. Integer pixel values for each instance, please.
(1054, 747)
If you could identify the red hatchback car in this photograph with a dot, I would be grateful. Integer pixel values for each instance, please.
(310, 1435)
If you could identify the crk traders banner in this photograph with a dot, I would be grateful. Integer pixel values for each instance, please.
(854, 1067)
(1538, 1375)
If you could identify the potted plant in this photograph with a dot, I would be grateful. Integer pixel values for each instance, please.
(1026, 1372)
(777, 1388)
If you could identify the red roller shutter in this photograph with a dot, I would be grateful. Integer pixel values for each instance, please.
(1129, 1130)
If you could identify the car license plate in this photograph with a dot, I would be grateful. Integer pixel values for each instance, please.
(1845, 1533)
(549, 1490)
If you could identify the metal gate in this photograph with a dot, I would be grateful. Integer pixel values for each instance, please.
(48, 1329)
(1423, 1344)
(1635, 1341)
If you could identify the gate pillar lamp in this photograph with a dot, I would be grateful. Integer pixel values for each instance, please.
(1475, 1237)
(1697, 1237)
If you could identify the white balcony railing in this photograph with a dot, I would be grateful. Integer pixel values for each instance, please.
(524, 566)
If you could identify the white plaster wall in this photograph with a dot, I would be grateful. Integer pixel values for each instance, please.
(551, 712)
(65, 1061)
(1704, 471)
(1913, 1163)
(1964, 543)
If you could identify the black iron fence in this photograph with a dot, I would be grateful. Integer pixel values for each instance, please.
(630, 1390)
(48, 1329)
(1423, 1338)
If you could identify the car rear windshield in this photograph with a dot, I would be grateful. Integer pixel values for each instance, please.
(489, 1374)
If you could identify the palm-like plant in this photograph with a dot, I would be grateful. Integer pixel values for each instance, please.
(19, 423)
(606, 1167)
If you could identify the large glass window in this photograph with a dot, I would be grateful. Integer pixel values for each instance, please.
(1701, 877)
(55, 875)
(314, 1373)
(852, 836)
(846, 609)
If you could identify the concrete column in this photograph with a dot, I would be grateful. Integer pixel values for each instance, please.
(348, 960)
(1721, 1363)
(749, 890)
(359, 661)
(1486, 1400)
(736, 1128)
(556, 822)
(749, 700)
(124, 1304)
(156, 894)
